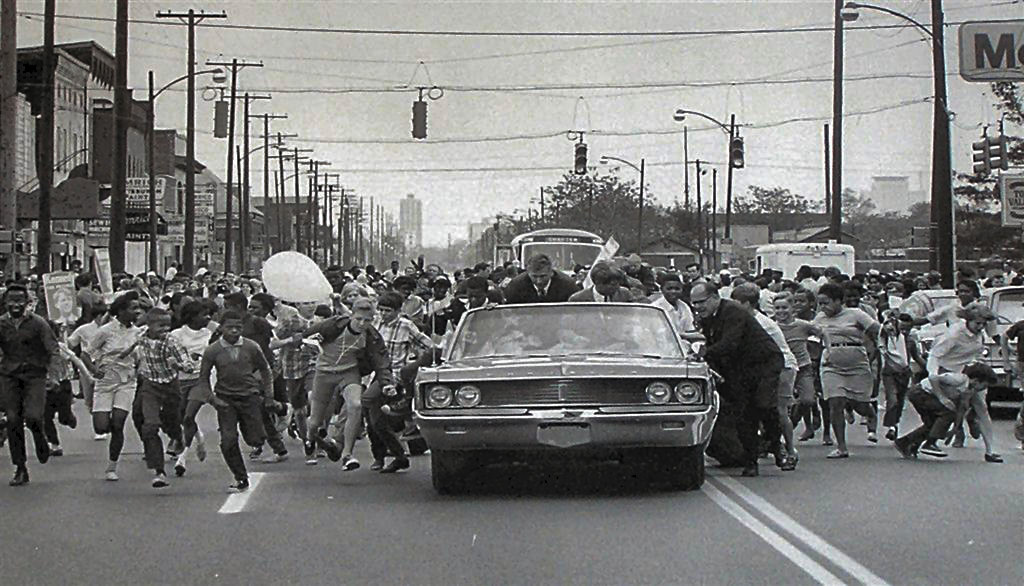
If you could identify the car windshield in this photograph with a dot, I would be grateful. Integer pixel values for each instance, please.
(1009, 307)
(564, 255)
(574, 329)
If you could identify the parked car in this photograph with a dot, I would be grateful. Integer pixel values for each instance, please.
(571, 381)
(1008, 305)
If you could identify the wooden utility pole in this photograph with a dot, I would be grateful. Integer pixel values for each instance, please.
(245, 213)
(9, 124)
(828, 176)
(191, 18)
(44, 150)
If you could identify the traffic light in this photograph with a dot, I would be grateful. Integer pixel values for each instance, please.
(1000, 156)
(736, 152)
(580, 161)
(220, 119)
(419, 119)
(982, 161)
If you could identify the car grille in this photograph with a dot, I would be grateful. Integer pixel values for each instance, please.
(563, 392)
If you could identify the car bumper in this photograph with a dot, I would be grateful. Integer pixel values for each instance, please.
(566, 427)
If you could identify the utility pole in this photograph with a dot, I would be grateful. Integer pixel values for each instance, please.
(8, 124)
(728, 186)
(314, 202)
(640, 216)
(686, 170)
(942, 209)
(542, 206)
(191, 18)
(714, 217)
(266, 176)
(298, 203)
(44, 150)
(245, 225)
(234, 65)
(836, 219)
(700, 218)
(372, 242)
(343, 244)
(151, 172)
(828, 180)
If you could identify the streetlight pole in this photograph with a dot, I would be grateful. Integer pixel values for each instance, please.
(701, 234)
(640, 216)
(836, 220)
(730, 130)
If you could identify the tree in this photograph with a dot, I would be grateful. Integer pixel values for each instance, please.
(775, 200)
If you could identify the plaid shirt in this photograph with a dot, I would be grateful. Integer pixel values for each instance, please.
(161, 359)
(400, 336)
(295, 363)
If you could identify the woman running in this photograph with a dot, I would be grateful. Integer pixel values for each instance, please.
(195, 337)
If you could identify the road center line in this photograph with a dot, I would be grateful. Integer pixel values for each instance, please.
(236, 502)
(811, 539)
(780, 543)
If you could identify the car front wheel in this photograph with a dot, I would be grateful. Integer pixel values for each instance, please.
(683, 468)
(448, 469)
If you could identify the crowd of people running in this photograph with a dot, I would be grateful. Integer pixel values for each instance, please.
(816, 351)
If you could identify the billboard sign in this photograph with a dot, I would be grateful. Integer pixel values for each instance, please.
(1012, 189)
(992, 50)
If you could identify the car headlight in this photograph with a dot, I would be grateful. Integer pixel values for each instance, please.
(467, 396)
(688, 392)
(658, 393)
(439, 397)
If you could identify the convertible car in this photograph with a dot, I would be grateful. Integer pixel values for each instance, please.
(567, 380)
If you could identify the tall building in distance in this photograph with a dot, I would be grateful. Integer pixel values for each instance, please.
(410, 222)
(892, 193)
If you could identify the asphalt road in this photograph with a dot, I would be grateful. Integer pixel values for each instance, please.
(874, 518)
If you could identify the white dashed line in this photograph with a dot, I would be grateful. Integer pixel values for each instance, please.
(236, 502)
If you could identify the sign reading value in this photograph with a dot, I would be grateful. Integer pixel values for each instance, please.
(992, 50)
(1012, 188)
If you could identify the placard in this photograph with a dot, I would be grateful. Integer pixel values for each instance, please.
(104, 274)
(61, 302)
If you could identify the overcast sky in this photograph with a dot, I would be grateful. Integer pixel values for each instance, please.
(891, 136)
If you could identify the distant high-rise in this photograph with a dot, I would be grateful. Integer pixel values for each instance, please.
(410, 222)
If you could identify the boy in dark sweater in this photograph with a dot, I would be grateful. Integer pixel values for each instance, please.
(244, 386)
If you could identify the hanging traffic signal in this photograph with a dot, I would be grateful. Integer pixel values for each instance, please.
(220, 119)
(982, 155)
(736, 152)
(419, 119)
(580, 161)
(1000, 156)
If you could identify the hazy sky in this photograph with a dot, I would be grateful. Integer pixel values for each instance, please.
(367, 133)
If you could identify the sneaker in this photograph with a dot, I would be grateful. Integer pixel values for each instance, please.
(42, 452)
(807, 435)
(932, 450)
(837, 455)
(309, 448)
(56, 451)
(256, 453)
(311, 460)
(904, 449)
(175, 448)
(333, 450)
(100, 436)
(179, 469)
(789, 464)
(396, 465)
(377, 465)
(320, 453)
(826, 441)
(872, 437)
(160, 480)
(111, 474)
(275, 458)
(239, 485)
(891, 434)
(349, 463)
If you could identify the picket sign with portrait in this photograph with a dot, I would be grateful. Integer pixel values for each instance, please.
(61, 301)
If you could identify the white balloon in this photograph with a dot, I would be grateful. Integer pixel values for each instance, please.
(294, 277)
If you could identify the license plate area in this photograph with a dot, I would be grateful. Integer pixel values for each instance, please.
(563, 435)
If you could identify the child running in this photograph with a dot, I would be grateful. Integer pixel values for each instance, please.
(194, 336)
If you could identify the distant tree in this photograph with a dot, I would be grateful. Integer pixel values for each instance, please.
(774, 200)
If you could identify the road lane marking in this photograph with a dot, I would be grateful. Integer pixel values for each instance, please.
(236, 502)
(808, 537)
(780, 543)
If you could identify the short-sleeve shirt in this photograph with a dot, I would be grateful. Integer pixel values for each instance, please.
(106, 348)
(83, 335)
(779, 338)
(797, 332)
(846, 327)
(955, 349)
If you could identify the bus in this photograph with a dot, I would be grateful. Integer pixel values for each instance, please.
(565, 246)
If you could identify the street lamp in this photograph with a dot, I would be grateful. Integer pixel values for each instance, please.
(680, 116)
(942, 255)
(640, 216)
(219, 76)
(841, 15)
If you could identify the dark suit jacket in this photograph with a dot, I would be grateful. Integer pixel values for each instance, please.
(739, 349)
(521, 289)
(622, 295)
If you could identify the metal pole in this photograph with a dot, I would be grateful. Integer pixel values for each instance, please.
(836, 219)
(266, 185)
(686, 170)
(640, 216)
(714, 217)
(229, 208)
(190, 153)
(942, 208)
(728, 180)
(700, 218)
(243, 208)
(153, 266)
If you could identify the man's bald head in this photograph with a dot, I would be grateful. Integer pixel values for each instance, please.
(704, 299)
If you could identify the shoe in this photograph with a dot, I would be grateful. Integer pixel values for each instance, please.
(396, 465)
(239, 485)
(56, 451)
(780, 458)
(750, 471)
(179, 469)
(111, 474)
(958, 442)
(807, 435)
(850, 419)
(20, 477)
(200, 449)
(72, 422)
(789, 464)
(293, 430)
(309, 448)
(826, 441)
(863, 420)
(836, 455)
(872, 437)
(256, 453)
(932, 450)
(891, 434)
(100, 436)
(994, 458)
(349, 463)
(175, 448)
(42, 452)
(333, 450)
(160, 480)
(321, 454)
(275, 458)
(905, 450)
(377, 465)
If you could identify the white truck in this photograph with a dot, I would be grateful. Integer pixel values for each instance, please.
(790, 256)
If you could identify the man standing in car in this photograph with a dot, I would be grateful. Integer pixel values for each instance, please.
(748, 359)
(541, 283)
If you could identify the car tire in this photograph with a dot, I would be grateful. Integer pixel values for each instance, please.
(448, 469)
(683, 468)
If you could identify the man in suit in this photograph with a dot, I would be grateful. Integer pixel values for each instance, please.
(740, 350)
(541, 283)
(607, 286)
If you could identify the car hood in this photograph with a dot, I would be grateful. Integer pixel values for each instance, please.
(572, 367)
